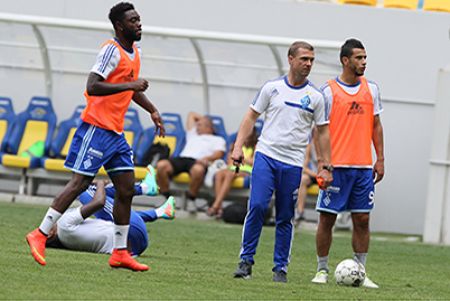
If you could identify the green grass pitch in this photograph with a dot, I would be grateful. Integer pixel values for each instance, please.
(195, 260)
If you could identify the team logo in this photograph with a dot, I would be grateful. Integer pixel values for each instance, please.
(38, 113)
(355, 109)
(87, 163)
(305, 101)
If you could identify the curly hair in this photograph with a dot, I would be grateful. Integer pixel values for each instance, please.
(117, 12)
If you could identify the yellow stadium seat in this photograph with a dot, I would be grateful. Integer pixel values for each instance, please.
(437, 5)
(359, 2)
(406, 4)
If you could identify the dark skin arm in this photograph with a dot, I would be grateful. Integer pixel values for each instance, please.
(378, 142)
(97, 86)
(97, 203)
(146, 104)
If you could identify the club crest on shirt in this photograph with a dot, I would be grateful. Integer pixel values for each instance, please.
(305, 101)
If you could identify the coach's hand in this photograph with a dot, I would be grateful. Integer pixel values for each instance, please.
(237, 156)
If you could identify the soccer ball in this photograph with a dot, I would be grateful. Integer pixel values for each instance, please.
(350, 273)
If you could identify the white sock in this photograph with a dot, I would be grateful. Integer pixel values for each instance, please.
(322, 264)
(50, 218)
(144, 188)
(159, 211)
(120, 236)
(361, 257)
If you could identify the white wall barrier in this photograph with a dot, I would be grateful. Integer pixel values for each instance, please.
(437, 217)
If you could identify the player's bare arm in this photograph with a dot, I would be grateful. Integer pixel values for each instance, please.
(378, 143)
(245, 130)
(192, 119)
(98, 201)
(97, 86)
(146, 104)
(324, 169)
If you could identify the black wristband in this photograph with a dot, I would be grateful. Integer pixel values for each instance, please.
(328, 167)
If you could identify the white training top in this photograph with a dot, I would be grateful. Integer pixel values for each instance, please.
(290, 113)
(199, 146)
(352, 90)
(109, 57)
(90, 235)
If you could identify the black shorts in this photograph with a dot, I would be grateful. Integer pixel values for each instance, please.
(182, 164)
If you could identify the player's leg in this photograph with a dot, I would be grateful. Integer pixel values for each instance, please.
(84, 170)
(261, 190)
(121, 171)
(301, 198)
(197, 174)
(329, 203)
(360, 204)
(165, 170)
(222, 191)
(166, 211)
(287, 182)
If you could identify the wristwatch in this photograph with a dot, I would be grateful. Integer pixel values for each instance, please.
(328, 167)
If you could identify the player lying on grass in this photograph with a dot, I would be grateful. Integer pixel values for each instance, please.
(76, 231)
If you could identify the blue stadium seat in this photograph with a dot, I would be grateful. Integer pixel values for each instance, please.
(7, 117)
(36, 123)
(219, 126)
(132, 127)
(175, 138)
(61, 143)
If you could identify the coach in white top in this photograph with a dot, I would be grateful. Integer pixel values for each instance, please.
(291, 105)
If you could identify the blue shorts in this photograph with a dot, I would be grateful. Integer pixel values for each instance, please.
(352, 190)
(93, 147)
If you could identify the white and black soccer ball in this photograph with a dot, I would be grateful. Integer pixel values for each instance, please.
(350, 273)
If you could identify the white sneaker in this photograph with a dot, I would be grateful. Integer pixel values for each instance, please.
(369, 283)
(190, 206)
(321, 277)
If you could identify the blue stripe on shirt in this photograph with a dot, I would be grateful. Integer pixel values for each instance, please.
(107, 57)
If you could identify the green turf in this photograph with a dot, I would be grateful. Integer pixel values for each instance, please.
(194, 260)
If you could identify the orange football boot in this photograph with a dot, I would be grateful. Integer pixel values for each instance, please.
(36, 240)
(122, 259)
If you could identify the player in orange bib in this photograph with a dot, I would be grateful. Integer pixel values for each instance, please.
(99, 140)
(355, 124)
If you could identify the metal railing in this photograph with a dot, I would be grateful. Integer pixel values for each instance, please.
(37, 23)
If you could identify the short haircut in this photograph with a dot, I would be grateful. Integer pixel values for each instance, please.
(117, 12)
(349, 45)
(299, 44)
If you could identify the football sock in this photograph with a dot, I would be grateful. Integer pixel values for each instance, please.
(322, 263)
(120, 236)
(361, 257)
(50, 218)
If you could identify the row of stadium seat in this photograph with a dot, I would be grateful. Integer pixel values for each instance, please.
(428, 5)
(18, 133)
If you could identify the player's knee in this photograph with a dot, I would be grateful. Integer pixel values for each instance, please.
(164, 167)
(361, 221)
(197, 171)
(79, 184)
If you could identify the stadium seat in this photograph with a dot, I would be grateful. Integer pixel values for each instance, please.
(359, 2)
(61, 144)
(174, 139)
(36, 124)
(406, 4)
(437, 5)
(7, 117)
